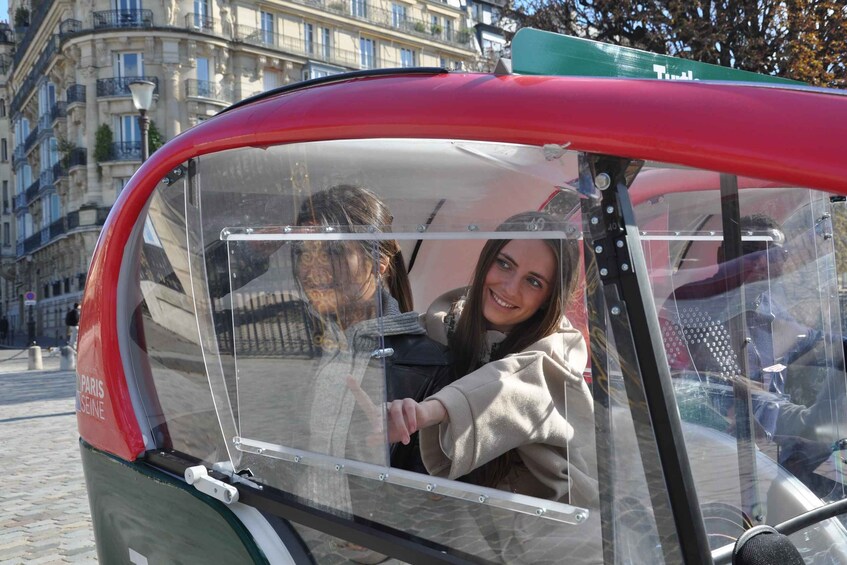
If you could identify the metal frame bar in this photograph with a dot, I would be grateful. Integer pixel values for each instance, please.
(744, 431)
(547, 509)
(616, 245)
(395, 543)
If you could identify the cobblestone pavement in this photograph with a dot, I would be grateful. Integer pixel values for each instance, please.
(44, 513)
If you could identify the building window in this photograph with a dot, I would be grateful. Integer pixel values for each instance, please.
(128, 129)
(326, 43)
(398, 15)
(4, 150)
(120, 183)
(67, 285)
(407, 58)
(271, 79)
(201, 70)
(448, 29)
(267, 28)
(360, 8)
(201, 15)
(309, 37)
(129, 64)
(7, 234)
(434, 25)
(5, 197)
(2, 107)
(55, 208)
(368, 52)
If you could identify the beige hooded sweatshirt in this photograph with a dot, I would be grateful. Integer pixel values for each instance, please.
(536, 402)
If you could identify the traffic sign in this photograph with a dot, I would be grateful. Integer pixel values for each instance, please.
(29, 298)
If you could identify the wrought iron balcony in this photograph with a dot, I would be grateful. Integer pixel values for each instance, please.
(57, 228)
(311, 49)
(45, 124)
(200, 22)
(75, 93)
(208, 89)
(18, 155)
(125, 151)
(31, 192)
(19, 248)
(78, 157)
(45, 179)
(36, 18)
(59, 171)
(99, 220)
(123, 19)
(30, 139)
(59, 110)
(20, 202)
(119, 86)
(366, 11)
(32, 243)
(36, 72)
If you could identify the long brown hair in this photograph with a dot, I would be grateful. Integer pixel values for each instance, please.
(348, 205)
(468, 343)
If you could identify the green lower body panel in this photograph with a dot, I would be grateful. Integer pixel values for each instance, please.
(142, 515)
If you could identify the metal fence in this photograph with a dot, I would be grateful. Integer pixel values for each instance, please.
(266, 325)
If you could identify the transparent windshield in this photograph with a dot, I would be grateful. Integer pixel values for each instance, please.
(754, 346)
(308, 335)
(317, 308)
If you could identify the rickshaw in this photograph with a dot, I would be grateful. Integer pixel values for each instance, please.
(197, 346)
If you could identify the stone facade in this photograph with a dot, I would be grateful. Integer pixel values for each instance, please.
(72, 132)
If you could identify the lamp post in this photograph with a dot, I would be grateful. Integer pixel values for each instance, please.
(142, 97)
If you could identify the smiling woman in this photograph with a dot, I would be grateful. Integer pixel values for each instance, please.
(514, 291)
(518, 354)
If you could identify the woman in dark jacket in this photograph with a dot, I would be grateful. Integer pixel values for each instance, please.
(360, 297)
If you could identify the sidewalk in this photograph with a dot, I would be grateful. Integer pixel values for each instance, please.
(44, 513)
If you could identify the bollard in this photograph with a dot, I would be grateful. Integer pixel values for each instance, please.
(34, 363)
(67, 361)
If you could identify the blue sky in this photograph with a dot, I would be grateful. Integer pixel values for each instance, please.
(4, 10)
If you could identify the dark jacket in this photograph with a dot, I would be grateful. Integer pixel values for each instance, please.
(418, 368)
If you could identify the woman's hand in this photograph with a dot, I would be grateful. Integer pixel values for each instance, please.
(406, 416)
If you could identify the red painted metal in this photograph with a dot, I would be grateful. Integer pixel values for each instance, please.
(791, 137)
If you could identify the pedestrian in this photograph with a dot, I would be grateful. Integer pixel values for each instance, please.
(72, 322)
(4, 329)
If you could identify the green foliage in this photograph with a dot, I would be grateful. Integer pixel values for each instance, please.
(103, 145)
(799, 39)
(155, 139)
(436, 29)
(21, 17)
(420, 27)
(65, 148)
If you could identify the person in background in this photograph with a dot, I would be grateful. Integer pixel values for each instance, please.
(72, 323)
(701, 313)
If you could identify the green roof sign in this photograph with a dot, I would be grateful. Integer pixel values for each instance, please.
(537, 52)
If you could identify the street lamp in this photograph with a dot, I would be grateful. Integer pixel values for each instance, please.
(142, 97)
